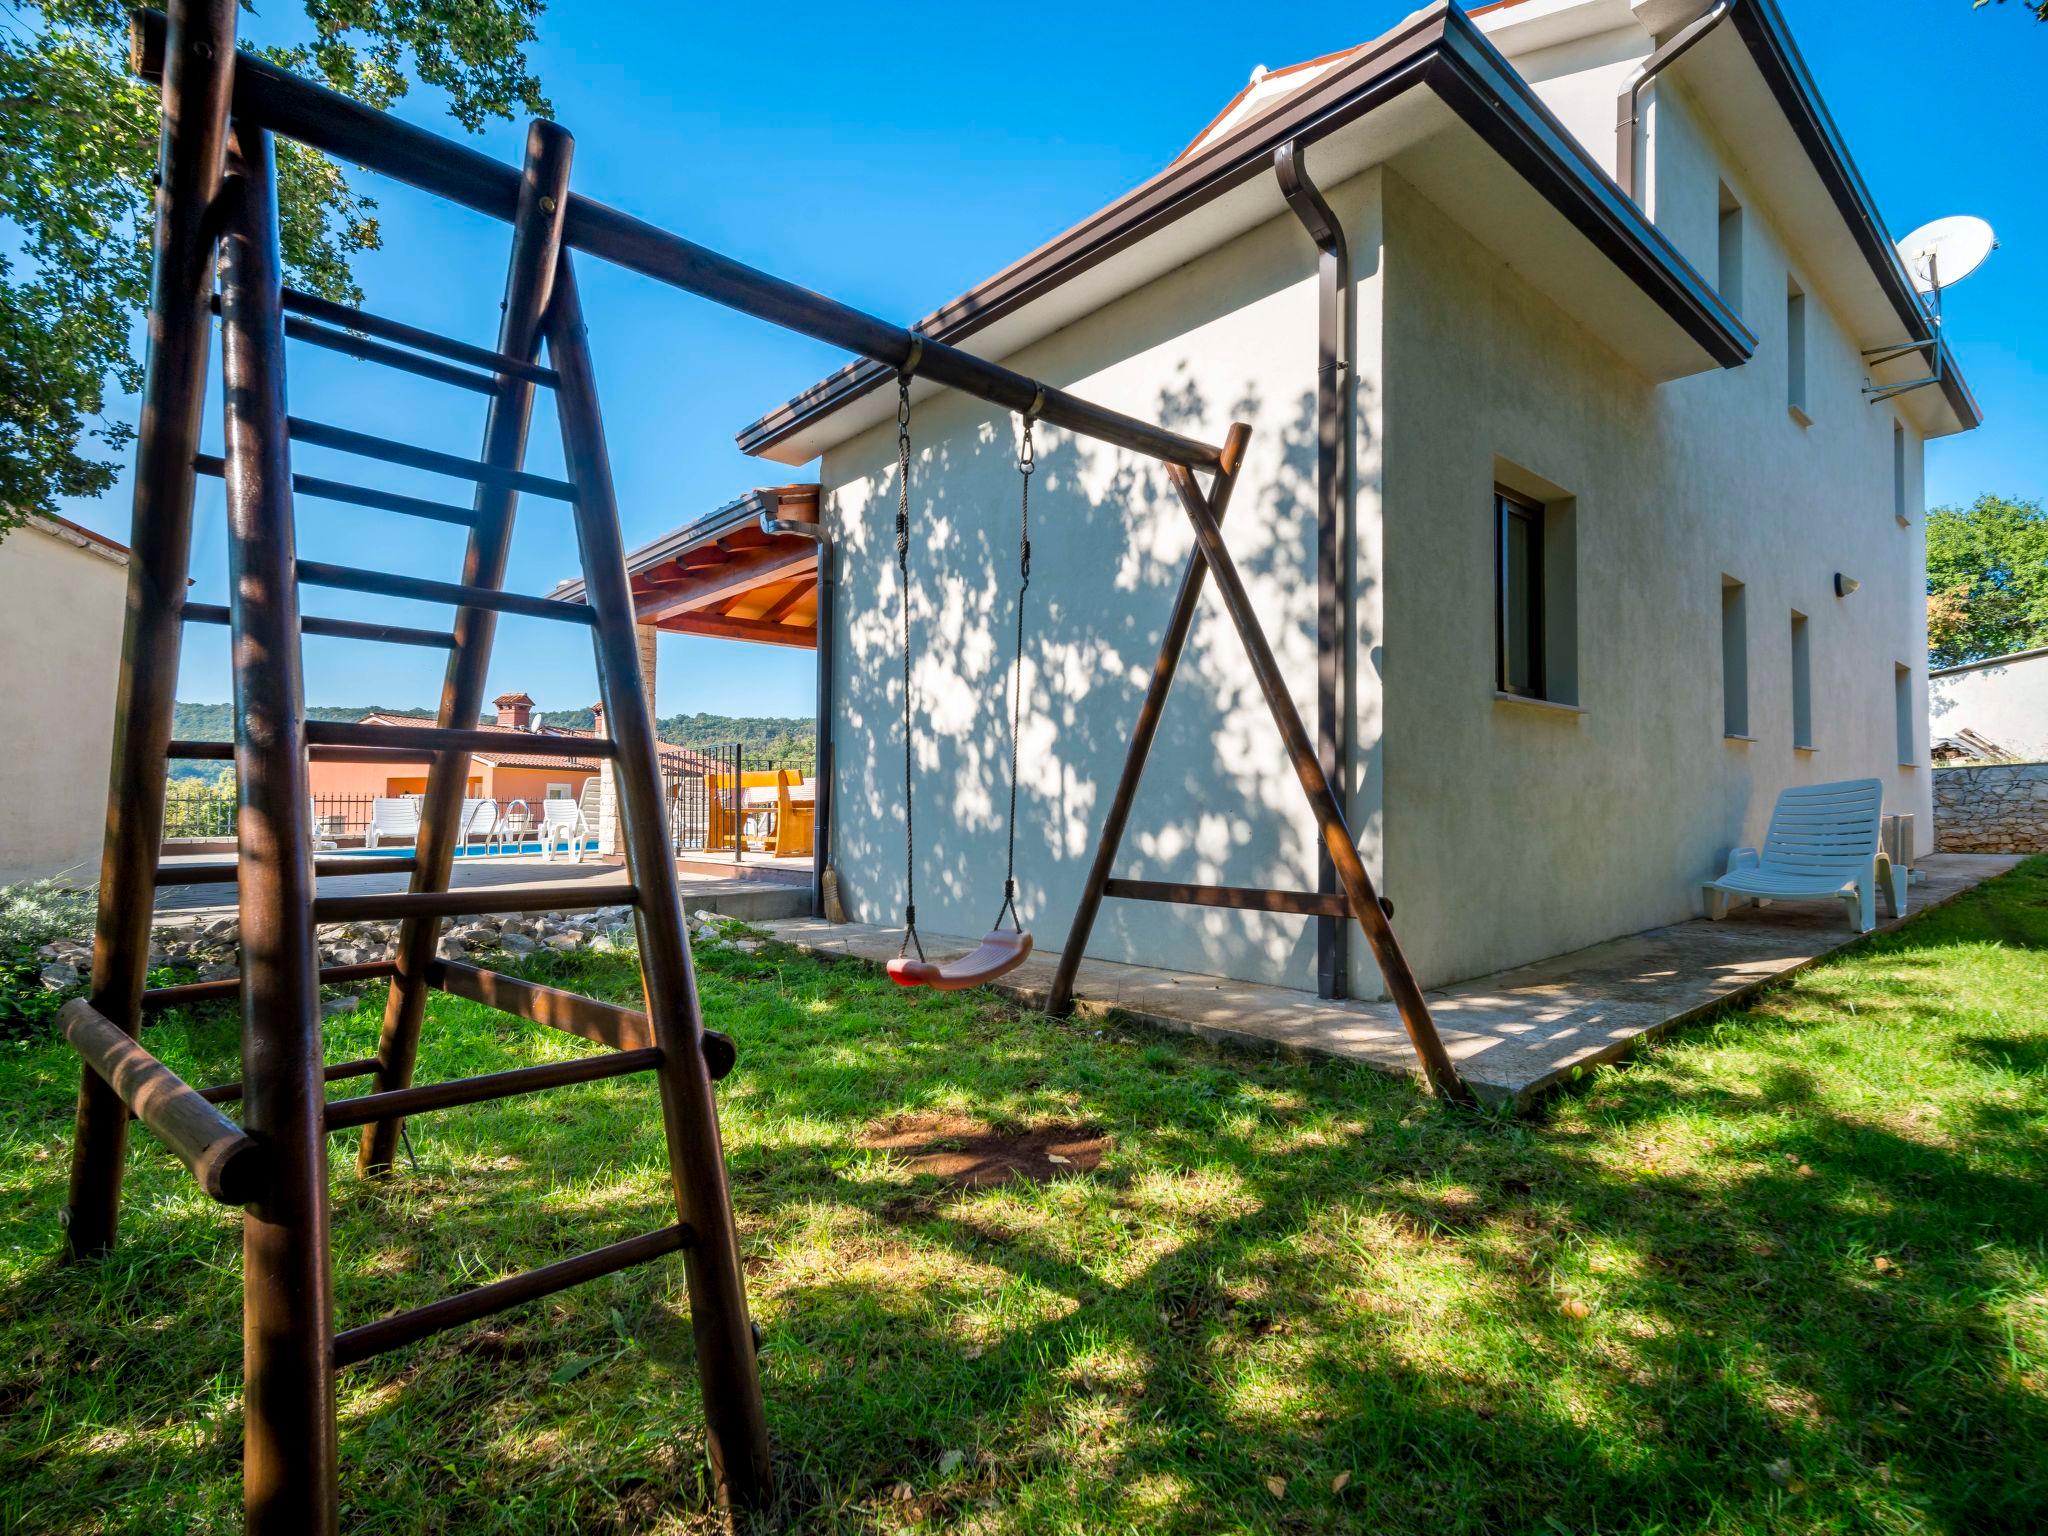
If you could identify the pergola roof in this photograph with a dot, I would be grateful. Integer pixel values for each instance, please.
(723, 576)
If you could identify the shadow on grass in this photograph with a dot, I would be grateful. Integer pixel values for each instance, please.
(1664, 1306)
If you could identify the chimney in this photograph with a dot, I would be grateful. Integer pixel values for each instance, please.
(597, 720)
(513, 709)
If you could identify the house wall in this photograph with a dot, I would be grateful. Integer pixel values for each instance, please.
(2005, 702)
(1516, 831)
(62, 599)
(1231, 336)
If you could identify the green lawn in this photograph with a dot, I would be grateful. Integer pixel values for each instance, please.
(1785, 1273)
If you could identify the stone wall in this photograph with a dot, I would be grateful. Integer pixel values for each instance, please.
(1993, 808)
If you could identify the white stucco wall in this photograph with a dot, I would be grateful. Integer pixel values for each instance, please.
(61, 602)
(2004, 701)
(1503, 832)
(1515, 832)
(1228, 337)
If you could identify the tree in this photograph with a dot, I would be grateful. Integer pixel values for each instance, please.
(78, 143)
(1987, 580)
(2038, 7)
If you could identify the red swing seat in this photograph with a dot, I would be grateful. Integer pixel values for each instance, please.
(997, 955)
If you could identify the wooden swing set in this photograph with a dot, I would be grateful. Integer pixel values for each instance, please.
(216, 207)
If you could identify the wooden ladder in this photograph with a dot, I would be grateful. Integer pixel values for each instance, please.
(274, 1163)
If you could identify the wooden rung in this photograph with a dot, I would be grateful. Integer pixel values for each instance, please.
(1242, 898)
(389, 357)
(317, 308)
(323, 435)
(476, 899)
(401, 1328)
(225, 1159)
(388, 584)
(227, 871)
(396, 1103)
(157, 998)
(355, 495)
(341, 1071)
(434, 738)
(623, 1029)
(395, 751)
(340, 629)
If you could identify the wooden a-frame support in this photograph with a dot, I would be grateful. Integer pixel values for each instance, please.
(1356, 895)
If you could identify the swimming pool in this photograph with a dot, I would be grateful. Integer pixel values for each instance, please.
(475, 850)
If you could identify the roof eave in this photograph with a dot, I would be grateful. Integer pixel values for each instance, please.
(1439, 48)
(1762, 29)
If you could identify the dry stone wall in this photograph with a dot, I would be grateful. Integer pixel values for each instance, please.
(1991, 808)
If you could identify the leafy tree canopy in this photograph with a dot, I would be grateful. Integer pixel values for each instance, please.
(1987, 579)
(2038, 7)
(78, 143)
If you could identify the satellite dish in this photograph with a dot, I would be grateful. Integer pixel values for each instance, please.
(1946, 251)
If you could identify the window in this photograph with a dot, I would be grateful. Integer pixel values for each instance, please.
(1734, 659)
(561, 792)
(1899, 472)
(1795, 352)
(1902, 712)
(1518, 583)
(1730, 282)
(1802, 685)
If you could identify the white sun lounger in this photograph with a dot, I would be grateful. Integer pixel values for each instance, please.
(1823, 842)
(396, 819)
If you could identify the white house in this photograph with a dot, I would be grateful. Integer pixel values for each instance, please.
(62, 592)
(2003, 701)
(1615, 456)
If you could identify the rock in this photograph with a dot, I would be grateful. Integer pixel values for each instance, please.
(222, 929)
(563, 941)
(746, 946)
(515, 943)
(331, 1006)
(58, 976)
(219, 970)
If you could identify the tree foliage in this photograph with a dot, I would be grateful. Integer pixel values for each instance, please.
(1987, 580)
(78, 144)
(2038, 7)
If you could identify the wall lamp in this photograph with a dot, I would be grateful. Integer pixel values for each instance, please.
(1844, 585)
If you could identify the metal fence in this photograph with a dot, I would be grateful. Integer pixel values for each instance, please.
(706, 820)
(208, 810)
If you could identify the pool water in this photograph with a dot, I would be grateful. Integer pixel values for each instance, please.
(475, 851)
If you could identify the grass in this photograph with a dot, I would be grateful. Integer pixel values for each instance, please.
(1785, 1273)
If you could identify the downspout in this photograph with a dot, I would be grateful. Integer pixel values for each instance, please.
(1628, 107)
(1335, 398)
(821, 811)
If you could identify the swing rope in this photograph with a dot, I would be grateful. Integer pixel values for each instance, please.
(910, 938)
(1027, 464)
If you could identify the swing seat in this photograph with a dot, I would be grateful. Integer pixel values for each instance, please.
(997, 955)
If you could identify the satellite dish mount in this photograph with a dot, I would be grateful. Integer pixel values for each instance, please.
(1935, 255)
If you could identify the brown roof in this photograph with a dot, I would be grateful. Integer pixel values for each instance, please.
(673, 758)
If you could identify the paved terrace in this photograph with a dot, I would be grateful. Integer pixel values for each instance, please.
(1514, 1035)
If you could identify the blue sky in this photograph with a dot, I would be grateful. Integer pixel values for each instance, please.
(895, 159)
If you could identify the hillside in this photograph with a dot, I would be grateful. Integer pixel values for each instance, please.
(769, 741)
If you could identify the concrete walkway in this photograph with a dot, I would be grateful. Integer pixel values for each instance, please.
(1514, 1035)
(748, 900)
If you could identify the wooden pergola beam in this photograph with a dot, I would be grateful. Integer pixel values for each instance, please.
(756, 568)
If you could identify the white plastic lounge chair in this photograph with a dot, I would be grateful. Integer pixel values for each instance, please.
(396, 819)
(479, 817)
(322, 843)
(1822, 842)
(561, 826)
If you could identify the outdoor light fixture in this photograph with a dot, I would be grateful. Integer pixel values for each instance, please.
(1844, 585)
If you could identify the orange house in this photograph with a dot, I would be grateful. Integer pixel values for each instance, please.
(501, 776)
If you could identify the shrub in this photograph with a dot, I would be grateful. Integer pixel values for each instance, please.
(33, 914)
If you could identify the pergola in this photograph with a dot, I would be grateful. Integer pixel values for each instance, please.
(727, 576)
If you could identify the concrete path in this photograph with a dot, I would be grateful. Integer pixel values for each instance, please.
(749, 900)
(1515, 1034)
